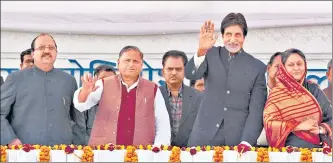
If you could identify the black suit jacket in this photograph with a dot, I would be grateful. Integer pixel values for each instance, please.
(191, 99)
(1, 80)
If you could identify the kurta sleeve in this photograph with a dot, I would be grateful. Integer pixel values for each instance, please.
(92, 99)
(79, 119)
(163, 129)
(8, 97)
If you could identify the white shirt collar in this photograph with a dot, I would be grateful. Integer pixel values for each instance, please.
(132, 86)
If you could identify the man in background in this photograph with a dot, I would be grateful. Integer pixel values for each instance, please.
(181, 101)
(198, 84)
(101, 72)
(272, 68)
(328, 90)
(26, 59)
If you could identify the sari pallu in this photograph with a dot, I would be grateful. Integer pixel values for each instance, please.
(288, 105)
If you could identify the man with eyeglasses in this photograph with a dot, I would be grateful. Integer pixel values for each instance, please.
(36, 103)
(101, 72)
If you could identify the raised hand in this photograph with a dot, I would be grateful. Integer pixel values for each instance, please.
(16, 142)
(88, 86)
(88, 83)
(307, 125)
(207, 38)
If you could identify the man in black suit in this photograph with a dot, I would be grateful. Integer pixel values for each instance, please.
(231, 112)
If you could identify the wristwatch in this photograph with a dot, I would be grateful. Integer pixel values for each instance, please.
(320, 131)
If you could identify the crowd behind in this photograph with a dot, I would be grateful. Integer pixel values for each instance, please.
(230, 101)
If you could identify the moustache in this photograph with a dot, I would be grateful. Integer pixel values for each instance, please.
(233, 44)
(46, 54)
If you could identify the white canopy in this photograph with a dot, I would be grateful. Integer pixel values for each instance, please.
(159, 17)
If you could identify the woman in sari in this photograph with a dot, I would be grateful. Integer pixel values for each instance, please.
(297, 113)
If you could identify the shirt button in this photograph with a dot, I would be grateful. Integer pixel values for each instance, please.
(217, 125)
(225, 109)
(113, 133)
(228, 92)
(114, 120)
(51, 125)
(129, 118)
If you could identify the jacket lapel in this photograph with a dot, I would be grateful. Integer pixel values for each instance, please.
(187, 104)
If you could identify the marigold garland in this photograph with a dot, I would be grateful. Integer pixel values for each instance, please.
(88, 154)
(218, 154)
(306, 155)
(175, 154)
(262, 155)
(131, 155)
(44, 153)
(3, 153)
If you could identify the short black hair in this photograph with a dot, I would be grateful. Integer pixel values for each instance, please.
(234, 19)
(24, 53)
(176, 54)
(42, 34)
(107, 68)
(270, 62)
(130, 47)
(286, 54)
(192, 83)
(329, 65)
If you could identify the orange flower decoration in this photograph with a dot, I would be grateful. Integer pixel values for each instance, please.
(44, 154)
(131, 155)
(306, 155)
(175, 154)
(88, 154)
(3, 154)
(218, 155)
(262, 155)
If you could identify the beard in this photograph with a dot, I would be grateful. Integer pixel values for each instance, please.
(233, 47)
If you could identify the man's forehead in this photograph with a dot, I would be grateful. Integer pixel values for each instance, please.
(28, 56)
(131, 54)
(277, 59)
(44, 39)
(233, 28)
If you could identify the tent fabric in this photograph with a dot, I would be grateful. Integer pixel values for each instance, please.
(149, 17)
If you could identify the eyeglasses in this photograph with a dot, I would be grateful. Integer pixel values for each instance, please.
(42, 48)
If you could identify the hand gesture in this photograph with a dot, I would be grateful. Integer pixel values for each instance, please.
(88, 83)
(307, 125)
(15, 142)
(207, 38)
